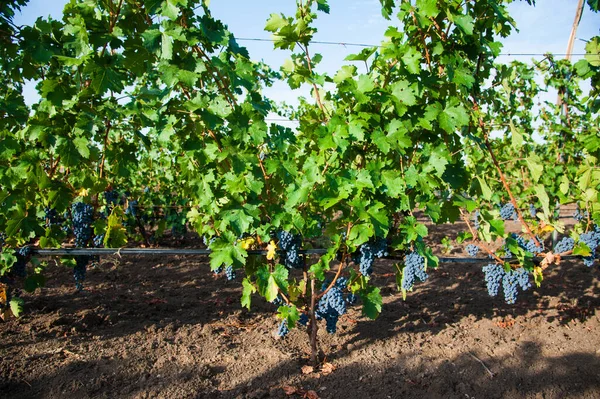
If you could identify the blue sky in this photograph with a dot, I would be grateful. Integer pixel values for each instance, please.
(543, 28)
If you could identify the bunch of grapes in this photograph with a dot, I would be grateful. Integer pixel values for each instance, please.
(98, 240)
(330, 307)
(112, 198)
(564, 245)
(511, 281)
(79, 271)
(414, 267)
(51, 216)
(508, 211)
(591, 239)
(132, 208)
(303, 320)
(229, 273)
(476, 220)
(366, 254)
(472, 250)
(82, 222)
(283, 329)
(579, 216)
(532, 210)
(530, 245)
(19, 268)
(493, 277)
(290, 244)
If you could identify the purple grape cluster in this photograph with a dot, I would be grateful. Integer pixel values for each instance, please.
(132, 208)
(112, 198)
(366, 254)
(529, 245)
(493, 276)
(414, 268)
(229, 273)
(82, 215)
(98, 240)
(290, 244)
(283, 329)
(507, 211)
(591, 239)
(511, 281)
(475, 220)
(79, 271)
(303, 320)
(51, 217)
(532, 210)
(579, 216)
(564, 245)
(472, 250)
(330, 307)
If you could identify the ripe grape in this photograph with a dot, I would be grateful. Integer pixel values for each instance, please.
(51, 217)
(229, 273)
(508, 211)
(509, 285)
(303, 320)
(564, 245)
(579, 216)
(532, 210)
(414, 266)
(366, 254)
(476, 220)
(82, 222)
(330, 307)
(79, 271)
(472, 250)
(493, 277)
(112, 198)
(98, 240)
(290, 245)
(283, 329)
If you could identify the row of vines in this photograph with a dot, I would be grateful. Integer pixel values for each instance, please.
(152, 117)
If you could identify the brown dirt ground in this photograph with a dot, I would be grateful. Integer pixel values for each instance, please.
(168, 328)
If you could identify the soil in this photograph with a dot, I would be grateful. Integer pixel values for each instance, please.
(157, 327)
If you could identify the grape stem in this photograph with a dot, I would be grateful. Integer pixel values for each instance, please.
(476, 240)
(313, 324)
(507, 188)
(341, 266)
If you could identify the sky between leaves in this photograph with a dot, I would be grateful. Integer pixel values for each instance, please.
(543, 28)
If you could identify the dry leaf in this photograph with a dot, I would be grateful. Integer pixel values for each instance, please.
(311, 395)
(307, 369)
(327, 368)
(289, 390)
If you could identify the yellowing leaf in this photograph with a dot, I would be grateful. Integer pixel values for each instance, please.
(246, 243)
(271, 248)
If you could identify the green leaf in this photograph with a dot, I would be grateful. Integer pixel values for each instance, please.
(372, 301)
(247, 290)
(289, 313)
(485, 189)
(535, 167)
(465, 23)
(16, 306)
(592, 49)
(453, 117)
(517, 137)
(412, 60)
(543, 198)
(166, 47)
(276, 22)
(404, 93)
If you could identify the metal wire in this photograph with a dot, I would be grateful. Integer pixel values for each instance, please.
(204, 252)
